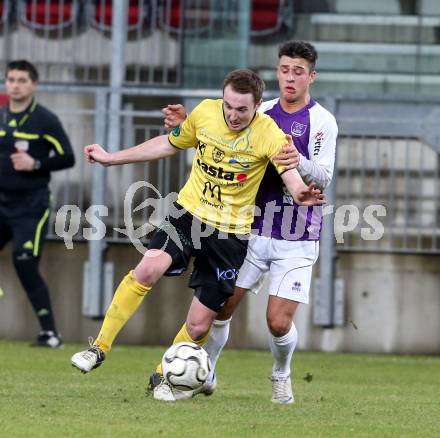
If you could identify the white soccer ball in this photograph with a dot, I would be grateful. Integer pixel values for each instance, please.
(186, 366)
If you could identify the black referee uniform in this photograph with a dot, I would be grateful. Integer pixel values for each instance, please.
(25, 196)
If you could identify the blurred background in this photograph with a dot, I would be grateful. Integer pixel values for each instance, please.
(108, 67)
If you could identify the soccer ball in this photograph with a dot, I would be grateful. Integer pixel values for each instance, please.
(186, 366)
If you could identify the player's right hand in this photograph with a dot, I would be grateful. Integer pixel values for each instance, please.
(309, 195)
(175, 115)
(94, 153)
(289, 156)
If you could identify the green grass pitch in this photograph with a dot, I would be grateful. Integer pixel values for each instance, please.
(337, 395)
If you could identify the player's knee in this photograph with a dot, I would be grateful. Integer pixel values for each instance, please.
(197, 329)
(146, 275)
(278, 326)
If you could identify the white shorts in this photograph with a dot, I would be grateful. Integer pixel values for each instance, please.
(289, 263)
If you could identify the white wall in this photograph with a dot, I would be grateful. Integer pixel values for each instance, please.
(392, 305)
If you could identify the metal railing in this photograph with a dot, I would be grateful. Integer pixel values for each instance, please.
(387, 180)
(387, 195)
(164, 42)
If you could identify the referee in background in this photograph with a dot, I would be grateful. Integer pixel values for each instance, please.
(33, 143)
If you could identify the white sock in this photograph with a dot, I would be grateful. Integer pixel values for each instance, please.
(218, 336)
(282, 350)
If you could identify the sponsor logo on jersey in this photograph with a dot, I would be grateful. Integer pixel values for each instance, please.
(296, 286)
(227, 274)
(176, 131)
(213, 189)
(28, 245)
(201, 148)
(219, 172)
(217, 155)
(240, 144)
(297, 129)
(319, 137)
(235, 163)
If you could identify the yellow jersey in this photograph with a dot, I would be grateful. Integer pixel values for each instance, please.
(228, 166)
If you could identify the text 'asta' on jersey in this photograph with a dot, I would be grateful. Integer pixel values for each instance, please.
(219, 172)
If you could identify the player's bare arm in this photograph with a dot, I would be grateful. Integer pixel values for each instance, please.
(153, 149)
(302, 194)
(175, 115)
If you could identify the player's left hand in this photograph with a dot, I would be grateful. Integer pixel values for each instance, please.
(289, 156)
(310, 195)
(22, 161)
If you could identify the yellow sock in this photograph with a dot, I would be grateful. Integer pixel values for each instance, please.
(127, 298)
(183, 336)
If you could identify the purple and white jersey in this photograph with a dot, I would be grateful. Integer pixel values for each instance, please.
(314, 131)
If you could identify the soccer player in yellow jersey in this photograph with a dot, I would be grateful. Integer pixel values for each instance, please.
(234, 145)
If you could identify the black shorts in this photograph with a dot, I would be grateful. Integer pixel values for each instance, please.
(217, 256)
(24, 218)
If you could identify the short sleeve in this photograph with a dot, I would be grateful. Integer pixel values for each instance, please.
(185, 135)
(276, 139)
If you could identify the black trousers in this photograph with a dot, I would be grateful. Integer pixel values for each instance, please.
(24, 219)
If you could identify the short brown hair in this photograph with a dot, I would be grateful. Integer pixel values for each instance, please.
(245, 81)
(299, 49)
(23, 65)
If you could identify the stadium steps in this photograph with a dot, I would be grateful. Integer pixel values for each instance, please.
(365, 67)
(402, 29)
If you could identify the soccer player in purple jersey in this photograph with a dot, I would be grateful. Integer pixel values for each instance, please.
(286, 236)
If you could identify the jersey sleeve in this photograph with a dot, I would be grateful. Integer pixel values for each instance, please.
(276, 139)
(185, 135)
(322, 148)
(57, 139)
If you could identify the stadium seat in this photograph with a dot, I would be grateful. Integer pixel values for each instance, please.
(268, 16)
(101, 16)
(184, 16)
(48, 14)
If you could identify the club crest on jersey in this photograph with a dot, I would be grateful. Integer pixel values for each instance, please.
(217, 155)
(22, 145)
(297, 129)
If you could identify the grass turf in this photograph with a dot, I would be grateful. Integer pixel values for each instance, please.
(337, 395)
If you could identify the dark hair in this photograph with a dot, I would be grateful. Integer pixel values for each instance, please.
(23, 65)
(245, 81)
(299, 49)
